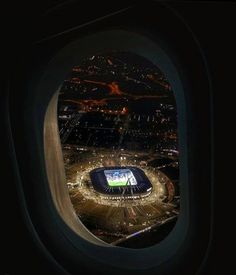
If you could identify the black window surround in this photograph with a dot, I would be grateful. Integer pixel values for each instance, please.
(45, 192)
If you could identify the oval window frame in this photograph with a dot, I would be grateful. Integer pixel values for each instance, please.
(71, 56)
(36, 104)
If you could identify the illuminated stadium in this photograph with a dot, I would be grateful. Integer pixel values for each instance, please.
(129, 181)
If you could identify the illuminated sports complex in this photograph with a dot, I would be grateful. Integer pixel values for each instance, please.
(116, 182)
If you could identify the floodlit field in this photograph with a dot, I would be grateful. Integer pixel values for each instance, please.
(121, 177)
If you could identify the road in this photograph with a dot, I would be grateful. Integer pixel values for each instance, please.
(149, 228)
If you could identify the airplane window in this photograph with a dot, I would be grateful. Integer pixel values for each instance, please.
(117, 121)
(116, 129)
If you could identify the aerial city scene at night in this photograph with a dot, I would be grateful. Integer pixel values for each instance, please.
(117, 121)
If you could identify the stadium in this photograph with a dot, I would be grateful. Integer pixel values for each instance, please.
(127, 181)
(119, 195)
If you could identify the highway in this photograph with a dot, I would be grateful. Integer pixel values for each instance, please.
(67, 129)
(149, 228)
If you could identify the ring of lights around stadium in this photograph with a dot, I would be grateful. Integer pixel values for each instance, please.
(162, 189)
(119, 215)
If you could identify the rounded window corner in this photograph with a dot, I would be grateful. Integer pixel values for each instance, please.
(51, 199)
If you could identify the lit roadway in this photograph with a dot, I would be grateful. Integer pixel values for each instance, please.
(149, 228)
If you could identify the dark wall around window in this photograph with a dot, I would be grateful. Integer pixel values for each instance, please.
(215, 37)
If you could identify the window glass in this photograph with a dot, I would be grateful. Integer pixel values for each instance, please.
(117, 121)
